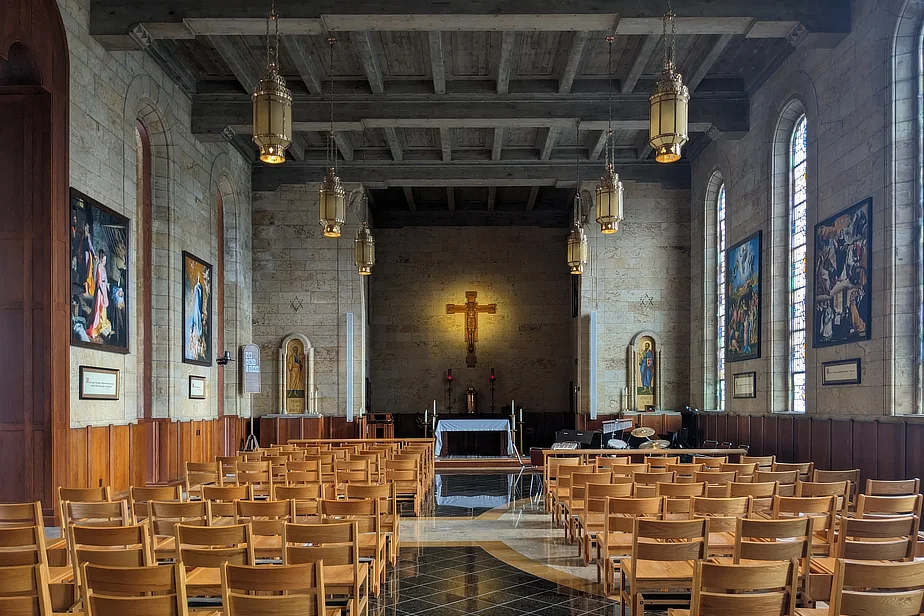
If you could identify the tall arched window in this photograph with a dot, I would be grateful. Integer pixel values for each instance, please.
(798, 237)
(720, 300)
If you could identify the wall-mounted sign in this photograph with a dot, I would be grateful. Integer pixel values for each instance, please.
(99, 383)
(250, 369)
(845, 372)
(197, 387)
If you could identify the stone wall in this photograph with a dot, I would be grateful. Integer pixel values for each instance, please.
(637, 280)
(862, 122)
(306, 283)
(109, 91)
(528, 342)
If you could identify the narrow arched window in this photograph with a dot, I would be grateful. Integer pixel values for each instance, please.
(143, 300)
(720, 299)
(798, 237)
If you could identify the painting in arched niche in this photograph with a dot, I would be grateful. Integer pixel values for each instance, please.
(296, 371)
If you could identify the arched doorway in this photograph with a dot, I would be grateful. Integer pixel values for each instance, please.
(34, 331)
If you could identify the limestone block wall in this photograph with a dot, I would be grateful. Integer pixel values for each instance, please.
(638, 280)
(306, 283)
(109, 91)
(414, 341)
(862, 130)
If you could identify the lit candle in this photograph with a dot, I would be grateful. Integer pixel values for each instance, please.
(521, 414)
(426, 415)
(434, 408)
(512, 408)
(433, 419)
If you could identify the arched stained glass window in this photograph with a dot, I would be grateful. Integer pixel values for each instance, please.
(720, 300)
(798, 237)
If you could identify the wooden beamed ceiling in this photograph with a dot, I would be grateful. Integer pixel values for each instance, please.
(446, 101)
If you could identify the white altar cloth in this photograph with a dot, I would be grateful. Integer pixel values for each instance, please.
(473, 425)
(479, 501)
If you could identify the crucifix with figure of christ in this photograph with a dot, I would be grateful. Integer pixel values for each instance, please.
(471, 309)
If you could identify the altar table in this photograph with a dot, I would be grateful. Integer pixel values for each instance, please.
(473, 425)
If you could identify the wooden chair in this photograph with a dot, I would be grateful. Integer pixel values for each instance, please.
(888, 506)
(853, 476)
(346, 471)
(574, 503)
(258, 474)
(840, 489)
(762, 493)
(139, 496)
(25, 591)
(367, 513)
(336, 545)
(164, 516)
(684, 473)
(296, 477)
(550, 474)
(745, 471)
(284, 590)
(278, 467)
(615, 541)
(228, 466)
(267, 520)
(23, 545)
(375, 464)
(203, 549)
(716, 481)
(821, 509)
(591, 520)
(629, 470)
(147, 591)
(561, 491)
(200, 474)
(646, 483)
(119, 546)
(303, 491)
(659, 463)
(14, 515)
(663, 556)
(677, 505)
(864, 588)
(723, 515)
(221, 499)
(777, 540)
(786, 479)
(759, 589)
(405, 474)
(878, 538)
(805, 469)
(85, 495)
(387, 494)
(711, 462)
(608, 462)
(102, 513)
(764, 463)
(904, 487)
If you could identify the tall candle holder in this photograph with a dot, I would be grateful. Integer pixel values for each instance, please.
(493, 379)
(449, 390)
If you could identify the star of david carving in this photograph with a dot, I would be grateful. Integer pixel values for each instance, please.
(647, 301)
(297, 304)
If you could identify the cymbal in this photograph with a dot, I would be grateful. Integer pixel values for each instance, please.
(658, 444)
(615, 443)
(643, 432)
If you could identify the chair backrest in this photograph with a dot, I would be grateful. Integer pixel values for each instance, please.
(199, 474)
(228, 464)
(596, 494)
(138, 497)
(745, 471)
(21, 514)
(884, 506)
(24, 545)
(903, 487)
(628, 470)
(756, 589)
(863, 588)
(118, 546)
(221, 498)
(715, 478)
(620, 512)
(305, 465)
(366, 512)
(386, 493)
(25, 591)
(605, 462)
(85, 495)
(759, 539)
(680, 489)
(650, 479)
(723, 513)
(669, 540)
(266, 518)
(97, 513)
(166, 515)
(280, 590)
(805, 469)
(852, 475)
(684, 472)
(210, 546)
(840, 489)
(763, 493)
(580, 481)
(336, 543)
(786, 479)
(714, 462)
(660, 463)
(302, 491)
(764, 463)
(254, 473)
(821, 509)
(878, 538)
(151, 591)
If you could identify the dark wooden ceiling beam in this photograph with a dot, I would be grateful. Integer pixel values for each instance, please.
(232, 54)
(492, 197)
(573, 63)
(365, 52)
(437, 62)
(531, 200)
(596, 141)
(505, 61)
(446, 143)
(547, 140)
(497, 144)
(459, 174)
(642, 56)
(392, 219)
(451, 198)
(304, 63)
(394, 144)
(409, 197)
(704, 64)
(298, 147)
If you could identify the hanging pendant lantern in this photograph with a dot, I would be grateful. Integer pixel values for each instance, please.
(610, 200)
(272, 103)
(364, 251)
(610, 195)
(333, 204)
(577, 250)
(669, 104)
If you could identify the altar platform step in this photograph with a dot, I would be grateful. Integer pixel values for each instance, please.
(473, 463)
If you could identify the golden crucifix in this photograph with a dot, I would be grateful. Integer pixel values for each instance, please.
(471, 309)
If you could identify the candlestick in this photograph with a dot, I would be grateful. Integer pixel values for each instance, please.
(426, 415)
(521, 414)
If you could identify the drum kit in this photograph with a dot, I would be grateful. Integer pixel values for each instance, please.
(641, 433)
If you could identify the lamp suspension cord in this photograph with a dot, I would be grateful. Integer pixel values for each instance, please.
(664, 35)
(332, 149)
(269, 54)
(275, 53)
(610, 145)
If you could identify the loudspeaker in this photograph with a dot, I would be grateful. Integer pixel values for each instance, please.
(587, 438)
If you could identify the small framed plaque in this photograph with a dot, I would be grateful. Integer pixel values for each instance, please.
(745, 385)
(844, 372)
(196, 387)
(99, 383)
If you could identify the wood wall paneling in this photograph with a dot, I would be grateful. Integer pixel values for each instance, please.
(841, 444)
(866, 450)
(821, 443)
(802, 439)
(914, 450)
(890, 449)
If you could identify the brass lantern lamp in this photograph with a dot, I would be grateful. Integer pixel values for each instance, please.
(272, 103)
(669, 104)
(609, 192)
(577, 239)
(364, 251)
(331, 196)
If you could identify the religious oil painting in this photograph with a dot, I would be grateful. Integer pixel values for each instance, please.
(99, 275)
(742, 300)
(842, 264)
(296, 371)
(646, 378)
(197, 311)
